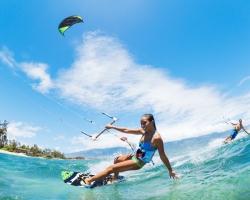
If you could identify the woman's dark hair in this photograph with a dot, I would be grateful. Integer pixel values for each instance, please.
(150, 118)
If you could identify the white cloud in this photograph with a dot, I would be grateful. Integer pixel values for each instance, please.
(60, 137)
(38, 71)
(243, 80)
(35, 71)
(6, 57)
(105, 76)
(104, 141)
(18, 129)
(57, 148)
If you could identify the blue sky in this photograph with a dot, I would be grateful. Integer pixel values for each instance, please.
(186, 62)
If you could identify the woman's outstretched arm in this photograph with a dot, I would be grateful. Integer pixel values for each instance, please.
(137, 131)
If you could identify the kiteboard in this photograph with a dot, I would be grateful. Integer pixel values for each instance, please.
(76, 179)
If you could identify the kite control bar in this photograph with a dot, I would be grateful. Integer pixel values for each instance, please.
(93, 137)
(227, 119)
(132, 145)
(114, 120)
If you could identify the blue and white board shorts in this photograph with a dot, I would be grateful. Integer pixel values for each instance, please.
(234, 133)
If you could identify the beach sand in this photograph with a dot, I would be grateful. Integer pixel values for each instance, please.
(23, 154)
(13, 153)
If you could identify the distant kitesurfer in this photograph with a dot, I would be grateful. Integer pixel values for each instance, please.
(150, 142)
(237, 127)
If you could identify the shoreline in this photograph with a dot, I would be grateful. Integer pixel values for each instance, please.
(13, 153)
(24, 155)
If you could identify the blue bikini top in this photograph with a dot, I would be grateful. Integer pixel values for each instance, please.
(146, 151)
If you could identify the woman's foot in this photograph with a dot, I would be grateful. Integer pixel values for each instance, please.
(111, 180)
(85, 182)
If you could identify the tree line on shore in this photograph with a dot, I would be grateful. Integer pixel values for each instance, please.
(35, 151)
(17, 147)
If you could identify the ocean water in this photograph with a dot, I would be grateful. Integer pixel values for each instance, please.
(208, 169)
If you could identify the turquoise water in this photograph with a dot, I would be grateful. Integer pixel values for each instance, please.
(208, 170)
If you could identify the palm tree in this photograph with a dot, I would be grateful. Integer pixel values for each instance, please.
(3, 133)
(13, 145)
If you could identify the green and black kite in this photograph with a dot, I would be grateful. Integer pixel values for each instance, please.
(68, 22)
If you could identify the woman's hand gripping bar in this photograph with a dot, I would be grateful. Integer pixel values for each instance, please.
(114, 120)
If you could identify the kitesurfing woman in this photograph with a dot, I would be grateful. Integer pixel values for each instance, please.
(150, 142)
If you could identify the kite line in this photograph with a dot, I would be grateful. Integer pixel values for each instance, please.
(114, 119)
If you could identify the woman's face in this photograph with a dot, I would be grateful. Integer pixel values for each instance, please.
(146, 124)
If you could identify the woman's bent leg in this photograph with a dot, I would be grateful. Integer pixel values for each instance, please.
(116, 168)
(121, 159)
